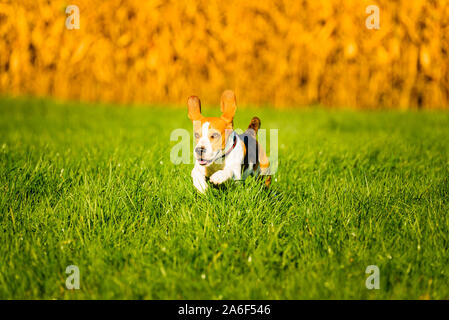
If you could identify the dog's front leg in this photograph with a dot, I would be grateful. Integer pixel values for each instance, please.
(221, 176)
(199, 180)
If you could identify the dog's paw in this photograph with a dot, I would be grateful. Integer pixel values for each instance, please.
(199, 181)
(219, 177)
(200, 184)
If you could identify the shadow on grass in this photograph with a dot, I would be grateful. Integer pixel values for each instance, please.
(247, 193)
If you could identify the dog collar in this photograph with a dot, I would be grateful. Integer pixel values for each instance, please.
(234, 143)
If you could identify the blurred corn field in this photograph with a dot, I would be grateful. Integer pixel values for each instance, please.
(284, 53)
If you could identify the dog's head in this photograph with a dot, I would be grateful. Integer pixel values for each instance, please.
(211, 133)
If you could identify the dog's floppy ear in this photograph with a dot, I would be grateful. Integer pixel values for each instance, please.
(228, 105)
(194, 105)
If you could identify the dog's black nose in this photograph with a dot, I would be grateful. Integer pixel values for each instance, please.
(200, 150)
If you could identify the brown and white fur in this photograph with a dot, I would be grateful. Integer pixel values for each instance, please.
(220, 153)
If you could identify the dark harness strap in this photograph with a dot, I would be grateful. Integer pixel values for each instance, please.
(232, 148)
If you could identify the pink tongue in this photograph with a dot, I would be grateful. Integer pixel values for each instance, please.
(202, 161)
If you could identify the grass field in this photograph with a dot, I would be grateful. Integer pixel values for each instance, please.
(93, 186)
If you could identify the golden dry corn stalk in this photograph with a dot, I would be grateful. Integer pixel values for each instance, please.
(276, 52)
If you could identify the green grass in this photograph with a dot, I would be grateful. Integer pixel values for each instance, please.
(93, 186)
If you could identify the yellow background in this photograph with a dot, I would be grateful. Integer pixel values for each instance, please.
(283, 53)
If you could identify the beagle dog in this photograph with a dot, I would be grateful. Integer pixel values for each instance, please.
(220, 153)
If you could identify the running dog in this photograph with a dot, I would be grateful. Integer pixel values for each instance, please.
(220, 153)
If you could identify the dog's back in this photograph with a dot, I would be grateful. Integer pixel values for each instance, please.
(255, 160)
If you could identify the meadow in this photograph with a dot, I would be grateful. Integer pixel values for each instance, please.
(92, 185)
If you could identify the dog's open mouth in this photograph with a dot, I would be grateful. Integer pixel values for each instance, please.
(203, 162)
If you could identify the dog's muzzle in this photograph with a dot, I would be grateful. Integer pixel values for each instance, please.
(200, 151)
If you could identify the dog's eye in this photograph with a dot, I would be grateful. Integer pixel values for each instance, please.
(214, 136)
(197, 135)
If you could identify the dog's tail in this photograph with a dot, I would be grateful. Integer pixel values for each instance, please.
(254, 126)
